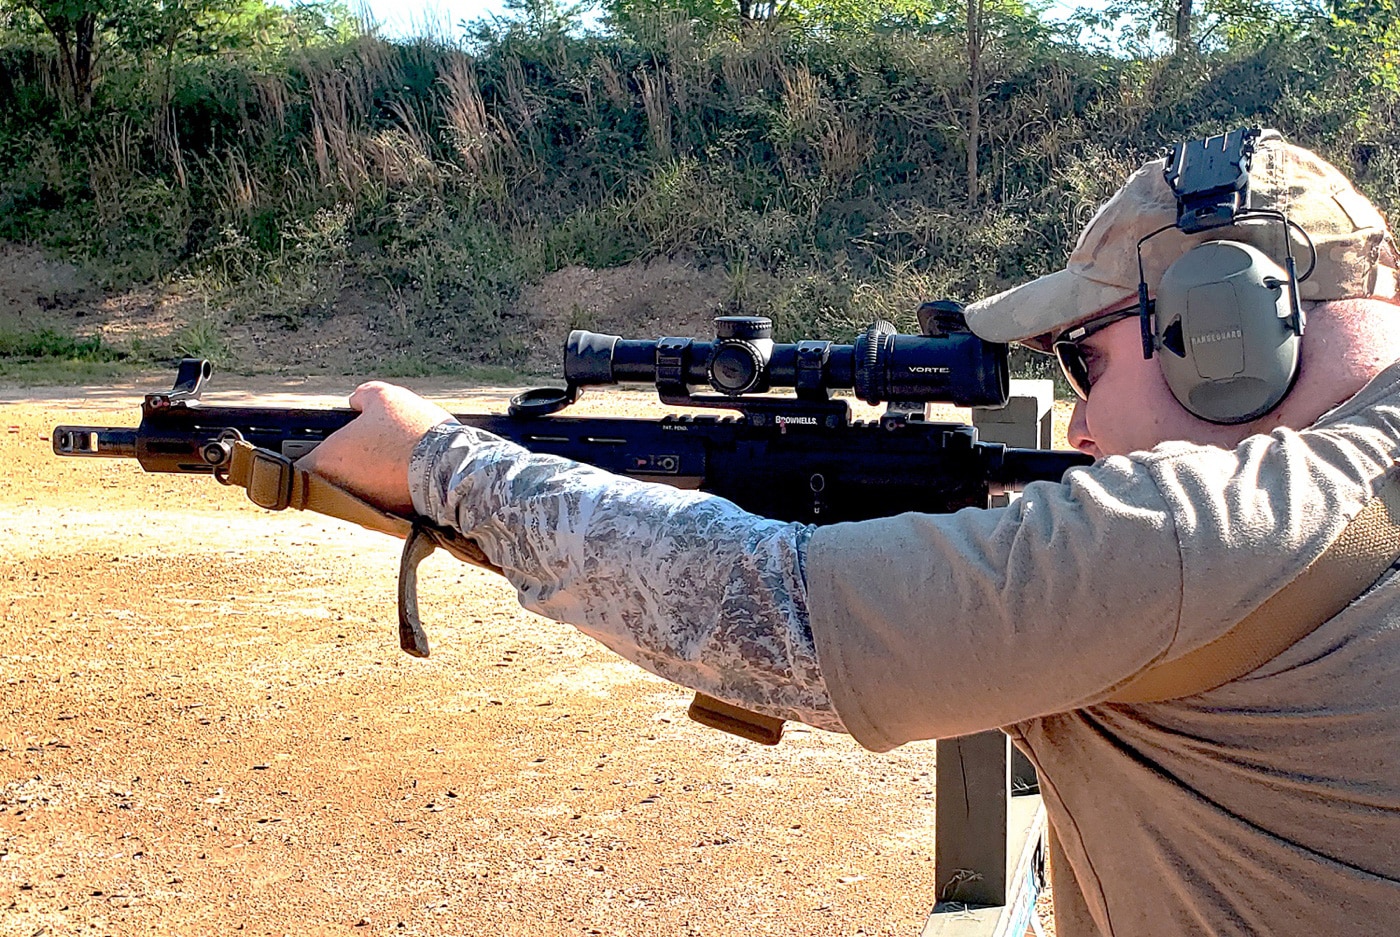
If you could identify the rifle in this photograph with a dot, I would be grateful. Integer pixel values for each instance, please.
(794, 458)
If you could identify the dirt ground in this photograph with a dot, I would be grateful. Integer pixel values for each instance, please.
(206, 726)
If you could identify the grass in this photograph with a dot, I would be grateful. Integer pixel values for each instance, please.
(48, 356)
(50, 343)
(32, 370)
(35, 372)
(407, 366)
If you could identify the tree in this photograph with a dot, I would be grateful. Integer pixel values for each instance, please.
(1184, 27)
(75, 26)
(988, 29)
(738, 15)
(85, 32)
(1181, 28)
(1365, 37)
(976, 46)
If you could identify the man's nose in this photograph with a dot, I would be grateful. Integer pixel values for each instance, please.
(1078, 434)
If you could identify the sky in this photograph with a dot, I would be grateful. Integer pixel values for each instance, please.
(400, 19)
(405, 18)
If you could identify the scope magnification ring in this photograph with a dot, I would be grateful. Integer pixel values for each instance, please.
(868, 347)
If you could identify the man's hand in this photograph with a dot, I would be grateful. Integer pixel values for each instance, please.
(369, 456)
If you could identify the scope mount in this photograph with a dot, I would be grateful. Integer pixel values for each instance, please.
(765, 411)
(539, 402)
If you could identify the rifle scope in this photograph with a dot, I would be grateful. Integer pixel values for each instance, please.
(947, 364)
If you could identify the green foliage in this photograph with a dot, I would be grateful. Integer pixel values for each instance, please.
(47, 343)
(451, 274)
(1364, 37)
(32, 372)
(201, 338)
(645, 20)
(88, 37)
(818, 157)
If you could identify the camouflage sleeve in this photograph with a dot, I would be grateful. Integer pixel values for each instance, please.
(686, 584)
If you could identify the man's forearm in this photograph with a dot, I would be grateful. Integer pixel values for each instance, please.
(685, 584)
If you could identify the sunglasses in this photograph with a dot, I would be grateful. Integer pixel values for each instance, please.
(1071, 356)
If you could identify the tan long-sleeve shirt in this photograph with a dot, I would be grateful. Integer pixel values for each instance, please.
(1269, 806)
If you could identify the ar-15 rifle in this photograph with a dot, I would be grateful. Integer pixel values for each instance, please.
(793, 458)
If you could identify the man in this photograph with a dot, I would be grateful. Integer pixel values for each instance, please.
(1267, 805)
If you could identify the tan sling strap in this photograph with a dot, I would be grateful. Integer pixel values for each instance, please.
(273, 481)
(1359, 555)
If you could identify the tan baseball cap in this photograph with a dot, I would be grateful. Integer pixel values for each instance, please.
(1356, 252)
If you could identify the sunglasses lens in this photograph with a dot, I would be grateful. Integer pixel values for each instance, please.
(1071, 356)
(1072, 364)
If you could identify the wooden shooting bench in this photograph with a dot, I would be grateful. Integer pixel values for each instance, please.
(989, 843)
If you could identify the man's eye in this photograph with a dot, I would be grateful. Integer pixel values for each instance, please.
(1093, 362)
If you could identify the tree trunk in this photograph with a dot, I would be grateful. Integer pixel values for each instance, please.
(65, 54)
(974, 97)
(85, 35)
(1182, 29)
(76, 38)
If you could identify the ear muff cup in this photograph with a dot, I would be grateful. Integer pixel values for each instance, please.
(1224, 338)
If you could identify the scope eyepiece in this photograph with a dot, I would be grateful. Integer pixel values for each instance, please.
(881, 365)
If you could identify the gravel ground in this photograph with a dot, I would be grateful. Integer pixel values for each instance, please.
(206, 726)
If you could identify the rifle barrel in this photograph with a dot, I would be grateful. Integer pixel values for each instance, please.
(1020, 467)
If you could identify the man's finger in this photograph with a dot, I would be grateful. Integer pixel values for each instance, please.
(360, 396)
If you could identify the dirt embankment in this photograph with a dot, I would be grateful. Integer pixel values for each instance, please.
(206, 727)
(362, 334)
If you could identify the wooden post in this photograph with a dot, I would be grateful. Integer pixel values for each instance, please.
(989, 845)
(972, 792)
(989, 840)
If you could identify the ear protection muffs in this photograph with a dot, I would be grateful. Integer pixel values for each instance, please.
(1227, 322)
(1225, 338)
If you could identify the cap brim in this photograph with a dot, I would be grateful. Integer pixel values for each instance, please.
(1035, 312)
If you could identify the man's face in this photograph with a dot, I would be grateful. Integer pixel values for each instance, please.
(1130, 408)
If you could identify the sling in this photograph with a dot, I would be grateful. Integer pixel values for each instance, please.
(273, 481)
(1352, 562)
